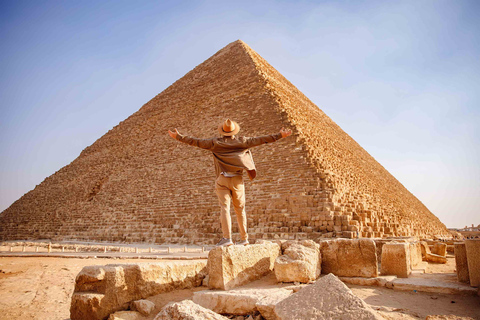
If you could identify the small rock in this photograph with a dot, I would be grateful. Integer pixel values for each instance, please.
(145, 307)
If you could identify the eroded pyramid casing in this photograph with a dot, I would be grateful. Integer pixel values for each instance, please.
(137, 184)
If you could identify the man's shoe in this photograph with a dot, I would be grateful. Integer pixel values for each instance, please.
(225, 242)
(242, 243)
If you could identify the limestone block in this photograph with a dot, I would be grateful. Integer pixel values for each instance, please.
(187, 310)
(435, 258)
(440, 249)
(102, 290)
(461, 262)
(473, 259)
(327, 298)
(300, 262)
(241, 301)
(447, 317)
(232, 266)
(349, 258)
(425, 250)
(126, 315)
(396, 259)
(415, 254)
(143, 306)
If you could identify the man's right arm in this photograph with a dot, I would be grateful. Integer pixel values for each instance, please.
(256, 141)
(200, 143)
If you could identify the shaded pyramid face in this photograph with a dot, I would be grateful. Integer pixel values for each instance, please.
(137, 184)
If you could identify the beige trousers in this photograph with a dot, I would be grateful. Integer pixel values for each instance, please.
(232, 189)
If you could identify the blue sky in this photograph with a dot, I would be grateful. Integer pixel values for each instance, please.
(401, 77)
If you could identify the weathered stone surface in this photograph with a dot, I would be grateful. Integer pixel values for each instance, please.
(432, 285)
(232, 266)
(461, 262)
(349, 258)
(300, 262)
(327, 298)
(396, 259)
(473, 259)
(322, 170)
(440, 249)
(187, 310)
(102, 290)
(425, 250)
(435, 258)
(240, 301)
(377, 281)
(415, 254)
(126, 315)
(143, 306)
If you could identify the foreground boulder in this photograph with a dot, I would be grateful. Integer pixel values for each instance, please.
(102, 290)
(242, 301)
(300, 262)
(349, 258)
(327, 298)
(233, 266)
(187, 310)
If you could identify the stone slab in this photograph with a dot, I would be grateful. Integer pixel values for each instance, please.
(396, 259)
(327, 298)
(473, 259)
(187, 310)
(102, 290)
(233, 266)
(415, 254)
(461, 263)
(349, 258)
(431, 285)
(241, 301)
(381, 281)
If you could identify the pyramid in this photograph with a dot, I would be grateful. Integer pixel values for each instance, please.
(136, 184)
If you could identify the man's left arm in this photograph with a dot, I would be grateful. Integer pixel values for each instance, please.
(257, 141)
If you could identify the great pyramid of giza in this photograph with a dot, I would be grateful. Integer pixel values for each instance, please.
(136, 184)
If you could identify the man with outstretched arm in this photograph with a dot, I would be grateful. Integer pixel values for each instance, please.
(231, 156)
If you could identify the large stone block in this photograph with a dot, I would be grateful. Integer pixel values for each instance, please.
(102, 290)
(241, 301)
(396, 259)
(300, 262)
(327, 298)
(349, 258)
(440, 249)
(187, 310)
(461, 263)
(473, 259)
(232, 266)
(425, 250)
(415, 254)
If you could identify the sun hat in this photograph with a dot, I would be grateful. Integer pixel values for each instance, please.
(229, 128)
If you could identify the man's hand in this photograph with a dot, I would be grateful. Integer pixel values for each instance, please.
(285, 133)
(173, 134)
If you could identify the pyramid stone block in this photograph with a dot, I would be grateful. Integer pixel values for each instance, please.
(230, 267)
(317, 182)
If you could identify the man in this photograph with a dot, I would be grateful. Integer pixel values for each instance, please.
(231, 156)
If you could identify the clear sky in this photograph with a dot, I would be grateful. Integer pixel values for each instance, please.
(401, 77)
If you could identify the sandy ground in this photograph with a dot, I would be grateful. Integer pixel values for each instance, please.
(41, 288)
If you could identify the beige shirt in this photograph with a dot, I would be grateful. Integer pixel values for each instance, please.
(231, 155)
